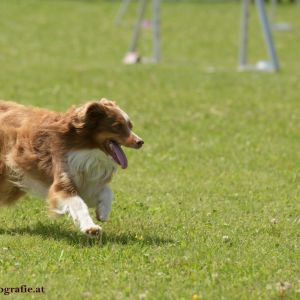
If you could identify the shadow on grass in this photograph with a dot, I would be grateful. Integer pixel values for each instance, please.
(76, 238)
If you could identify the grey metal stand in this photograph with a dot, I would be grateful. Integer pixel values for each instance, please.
(156, 30)
(272, 64)
(244, 34)
(267, 34)
(132, 56)
(122, 11)
(282, 26)
(273, 11)
(138, 26)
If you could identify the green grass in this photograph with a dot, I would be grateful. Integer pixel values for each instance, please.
(221, 156)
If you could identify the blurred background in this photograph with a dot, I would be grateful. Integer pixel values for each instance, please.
(210, 206)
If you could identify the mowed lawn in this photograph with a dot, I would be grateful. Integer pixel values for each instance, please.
(209, 208)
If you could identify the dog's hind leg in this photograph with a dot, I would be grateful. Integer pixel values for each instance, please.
(63, 198)
(9, 192)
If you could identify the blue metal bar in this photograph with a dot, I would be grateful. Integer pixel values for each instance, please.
(156, 30)
(267, 33)
(244, 33)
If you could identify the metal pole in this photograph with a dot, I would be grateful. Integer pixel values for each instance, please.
(156, 30)
(138, 26)
(244, 33)
(273, 11)
(121, 12)
(267, 33)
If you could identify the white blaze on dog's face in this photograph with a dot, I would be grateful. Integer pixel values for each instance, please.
(110, 128)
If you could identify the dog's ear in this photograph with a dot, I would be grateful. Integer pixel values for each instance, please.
(89, 115)
(108, 103)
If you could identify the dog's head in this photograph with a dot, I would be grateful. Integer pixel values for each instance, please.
(109, 127)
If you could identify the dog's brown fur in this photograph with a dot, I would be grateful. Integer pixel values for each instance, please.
(34, 141)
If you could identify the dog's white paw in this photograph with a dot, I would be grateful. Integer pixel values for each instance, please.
(92, 230)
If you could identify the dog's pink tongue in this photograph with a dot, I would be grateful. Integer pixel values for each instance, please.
(122, 159)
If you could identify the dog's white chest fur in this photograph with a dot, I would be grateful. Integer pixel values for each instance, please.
(90, 170)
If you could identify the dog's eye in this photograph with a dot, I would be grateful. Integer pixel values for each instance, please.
(117, 126)
(130, 125)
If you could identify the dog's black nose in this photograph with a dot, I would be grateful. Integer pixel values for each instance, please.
(140, 143)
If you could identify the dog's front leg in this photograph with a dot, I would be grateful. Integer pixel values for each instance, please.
(63, 198)
(78, 210)
(104, 204)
